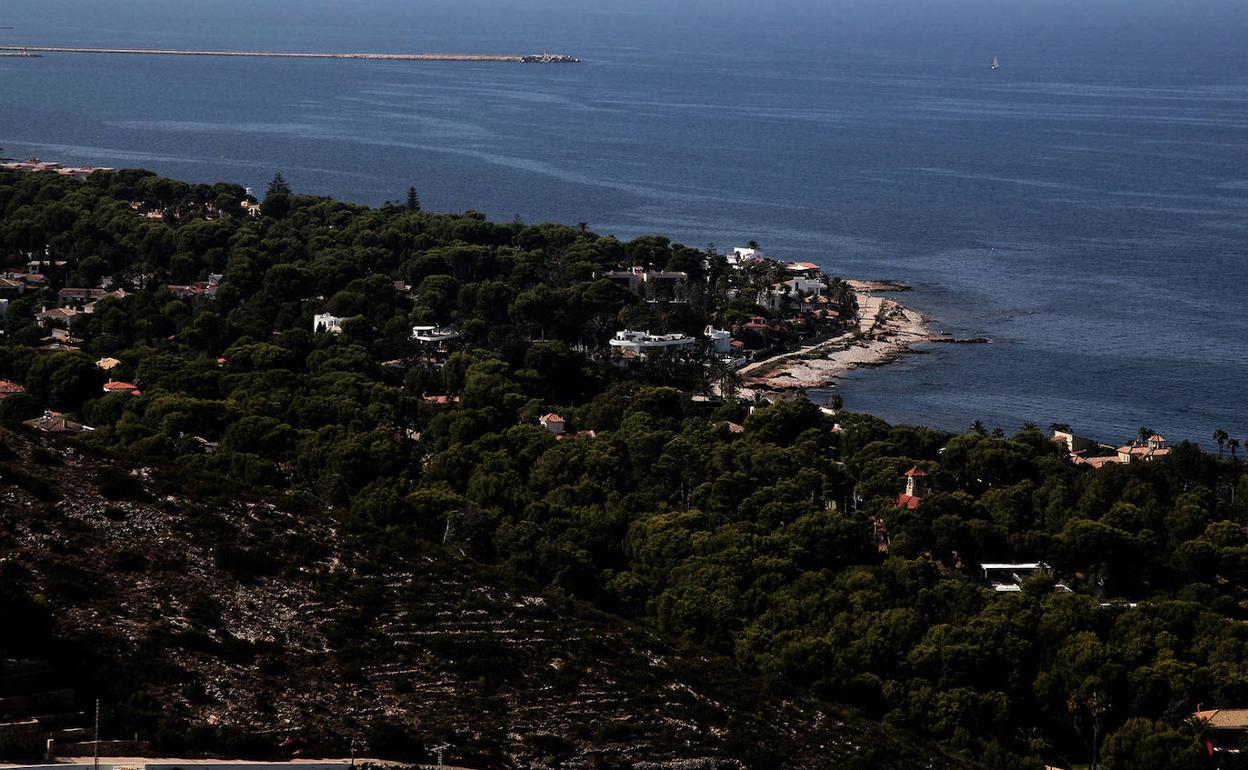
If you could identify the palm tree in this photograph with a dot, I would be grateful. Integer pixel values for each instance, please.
(978, 427)
(1145, 434)
(1089, 712)
(724, 376)
(1220, 438)
(1233, 443)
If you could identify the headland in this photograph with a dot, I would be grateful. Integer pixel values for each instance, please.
(885, 330)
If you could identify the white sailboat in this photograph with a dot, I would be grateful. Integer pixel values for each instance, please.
(996, 64)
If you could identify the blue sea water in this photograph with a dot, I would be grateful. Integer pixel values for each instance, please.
(1086, 207)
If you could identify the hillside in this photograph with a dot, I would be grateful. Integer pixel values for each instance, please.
(384, 432)
(258, 627)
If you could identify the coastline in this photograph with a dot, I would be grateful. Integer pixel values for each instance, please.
(886, 330)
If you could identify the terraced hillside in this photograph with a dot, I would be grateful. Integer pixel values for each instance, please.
(242, 626)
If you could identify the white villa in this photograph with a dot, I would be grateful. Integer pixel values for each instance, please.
(324, 322)
(641, 343)
(784, 293)
(741, 256)
(434, 335)
(721, 339)
(1008, 578)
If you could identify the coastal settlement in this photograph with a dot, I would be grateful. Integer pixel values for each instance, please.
(778, 328)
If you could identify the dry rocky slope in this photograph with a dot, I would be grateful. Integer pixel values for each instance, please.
(194, 615)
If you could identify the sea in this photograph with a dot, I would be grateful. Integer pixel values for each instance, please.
(1085, 206)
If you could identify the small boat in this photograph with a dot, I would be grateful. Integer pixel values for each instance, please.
(996, 64)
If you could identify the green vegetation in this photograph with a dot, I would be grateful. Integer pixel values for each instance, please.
(756, 544)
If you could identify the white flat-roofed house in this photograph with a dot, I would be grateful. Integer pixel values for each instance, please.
(641, 343)
(741, 256)
(795, 293)
(326, 322)
(1008, 577)
(808, 285)
(440, 336)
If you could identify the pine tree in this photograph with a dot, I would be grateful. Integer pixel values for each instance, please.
(277, 199)
(413, 200)
(278, 185)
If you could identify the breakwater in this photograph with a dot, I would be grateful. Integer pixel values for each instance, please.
(542, 58)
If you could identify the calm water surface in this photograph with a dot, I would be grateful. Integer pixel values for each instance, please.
(1086, 207)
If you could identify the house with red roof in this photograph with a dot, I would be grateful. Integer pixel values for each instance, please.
(55, 422)
(1151, 449)
(57, 315)
(11, 288)
(206, 288)
(553, 423)
(916, 488)
(9, 388)
(122, 387)
(1227, 729)
(809, 269)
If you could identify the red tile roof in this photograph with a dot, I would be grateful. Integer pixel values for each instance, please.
(59, 312)
(1095, 462)
(122, 387)
(1224, 719)
(916, 471)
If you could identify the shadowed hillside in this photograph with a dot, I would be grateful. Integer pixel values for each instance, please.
(257, 628)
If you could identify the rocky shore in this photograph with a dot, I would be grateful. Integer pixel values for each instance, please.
(886, 329)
